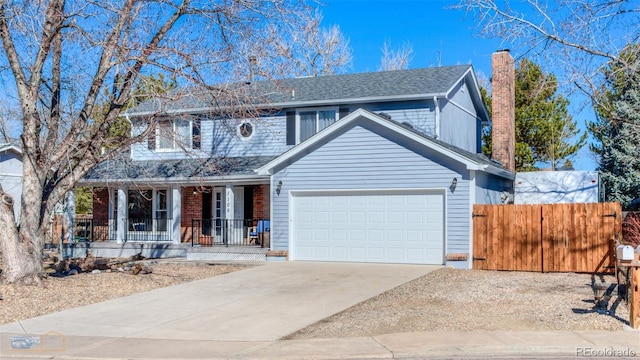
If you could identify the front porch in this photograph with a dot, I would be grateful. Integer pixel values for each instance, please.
(235, 232)
(204, 232)
(223, 215)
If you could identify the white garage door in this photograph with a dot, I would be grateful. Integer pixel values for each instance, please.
(378, 226)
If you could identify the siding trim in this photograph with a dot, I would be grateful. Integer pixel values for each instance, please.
(472, 200)
(291, 127)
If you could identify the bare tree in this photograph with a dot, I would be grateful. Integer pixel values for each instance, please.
(62, 56)
(578, 36)
(395, 59)
(314, 50)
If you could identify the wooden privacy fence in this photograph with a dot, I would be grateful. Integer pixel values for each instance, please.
(545, 237)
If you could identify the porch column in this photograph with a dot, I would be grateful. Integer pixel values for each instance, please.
(122, 215)
(70, 215)
(176, 211)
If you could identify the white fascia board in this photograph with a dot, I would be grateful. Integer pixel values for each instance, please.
(182, 181)
(498, 171)
(267, 169)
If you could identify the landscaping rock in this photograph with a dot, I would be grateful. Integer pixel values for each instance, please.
(96, 271)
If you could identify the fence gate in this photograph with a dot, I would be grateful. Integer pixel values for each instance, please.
(545, 237)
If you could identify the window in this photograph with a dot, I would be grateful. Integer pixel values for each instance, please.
(161, 210)
(148, 209)
(312, 121)
(175, 134)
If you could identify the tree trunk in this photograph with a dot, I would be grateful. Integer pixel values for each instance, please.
(22, 259)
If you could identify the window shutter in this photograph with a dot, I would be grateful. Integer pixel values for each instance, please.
(195, 134)
(291, 127)
(342, 112)
(151, 138)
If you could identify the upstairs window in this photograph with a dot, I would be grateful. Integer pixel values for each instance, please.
(310, 122)
(175, 134)
(303, 123)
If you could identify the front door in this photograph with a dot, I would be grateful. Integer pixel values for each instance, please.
(228, 213)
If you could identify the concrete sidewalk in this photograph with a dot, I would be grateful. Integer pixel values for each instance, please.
(422, 345)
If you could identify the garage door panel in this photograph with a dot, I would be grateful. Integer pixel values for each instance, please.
(392, 227)
(320, 236)
(321, 252)
(358, 253)
(339, 235)
(375, 235)
(395, 235)
(339, 253)
(395, 254)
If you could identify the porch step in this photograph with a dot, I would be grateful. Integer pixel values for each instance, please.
(231, 253)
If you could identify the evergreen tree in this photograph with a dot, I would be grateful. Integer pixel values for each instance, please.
(544, 128)
(617, 128)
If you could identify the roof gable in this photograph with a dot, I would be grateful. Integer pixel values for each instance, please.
(470, 160)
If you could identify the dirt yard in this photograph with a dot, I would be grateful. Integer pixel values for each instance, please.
(60, 293)
(477, 300)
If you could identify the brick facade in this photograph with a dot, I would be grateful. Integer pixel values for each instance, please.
(191, 209)
(261, 202)
(101, 204)
(503, 107)
(101, 214)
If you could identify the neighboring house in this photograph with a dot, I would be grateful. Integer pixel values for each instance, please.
(556, 187)
(372, 167)
(11, 174)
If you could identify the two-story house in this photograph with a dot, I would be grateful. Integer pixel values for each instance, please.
(370, 167)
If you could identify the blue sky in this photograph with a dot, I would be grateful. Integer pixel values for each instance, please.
(437, 34)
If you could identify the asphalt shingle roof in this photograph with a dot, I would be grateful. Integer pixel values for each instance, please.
(334, 89)
(125, 169)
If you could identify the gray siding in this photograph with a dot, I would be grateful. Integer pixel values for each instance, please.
(221, 138)
(457, 126)
(489, 188)
(419, 114)
(366, 157)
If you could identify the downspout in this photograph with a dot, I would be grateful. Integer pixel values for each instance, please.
(437, 110)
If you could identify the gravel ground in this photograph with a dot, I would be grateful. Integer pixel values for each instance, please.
(476, 300)
(23, 302)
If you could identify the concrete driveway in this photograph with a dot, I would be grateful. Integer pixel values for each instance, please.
(263, 303)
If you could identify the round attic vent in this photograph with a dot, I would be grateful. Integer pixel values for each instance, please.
(245, 129)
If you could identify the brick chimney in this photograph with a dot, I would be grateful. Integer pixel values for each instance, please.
(503, 109)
